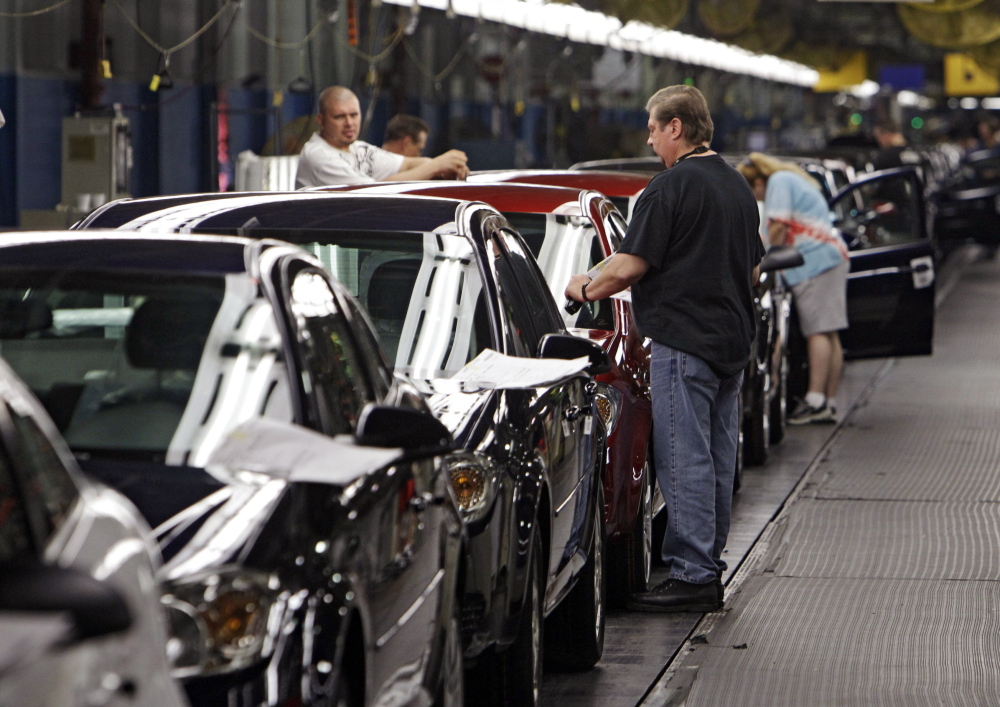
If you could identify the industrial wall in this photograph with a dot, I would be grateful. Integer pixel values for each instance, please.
(506, 96)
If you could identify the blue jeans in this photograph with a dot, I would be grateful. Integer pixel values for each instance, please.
(695, 432)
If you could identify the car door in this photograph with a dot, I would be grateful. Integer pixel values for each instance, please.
(890, 289)
(570, 423)
(405, 561)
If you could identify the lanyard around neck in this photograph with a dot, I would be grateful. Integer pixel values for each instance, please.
(700, 150)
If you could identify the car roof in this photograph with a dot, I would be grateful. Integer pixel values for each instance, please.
(58, 250)
(503, 196)
(645, 163)
(609, 183)
(318, 210)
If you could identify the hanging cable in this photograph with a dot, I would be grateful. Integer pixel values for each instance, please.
(288, 45)
(396, 38)
(451, 66)
(180, 45)
(36, 13)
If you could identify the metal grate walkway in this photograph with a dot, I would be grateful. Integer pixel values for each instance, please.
(878, 583)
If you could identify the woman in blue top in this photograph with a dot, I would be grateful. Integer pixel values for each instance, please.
(798, 215)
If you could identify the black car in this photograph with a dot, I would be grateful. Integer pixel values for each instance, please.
(764, 393)
(234, 392)
(443, 280)
(966, 205)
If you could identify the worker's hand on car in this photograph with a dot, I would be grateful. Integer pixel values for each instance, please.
(452, 164)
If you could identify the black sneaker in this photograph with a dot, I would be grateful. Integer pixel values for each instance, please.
(720, 591)
(805, 414)
(675, 595)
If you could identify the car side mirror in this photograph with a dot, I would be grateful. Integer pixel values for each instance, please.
(97, 608)
(568, 347)
(781, 257)
(407, 428)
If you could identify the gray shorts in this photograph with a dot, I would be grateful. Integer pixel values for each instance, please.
(822, 301)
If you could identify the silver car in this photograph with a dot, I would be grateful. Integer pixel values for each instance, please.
(80, 614)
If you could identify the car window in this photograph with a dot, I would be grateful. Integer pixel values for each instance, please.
(840, 179)
(882, 212)
(143, 365)
(49, 490)
(15, 534)
(332, 369)
(519, 330)
(113, 360)
(423, 293)
(371, 351)
(536, 291)
(617, 228)
(564, 246)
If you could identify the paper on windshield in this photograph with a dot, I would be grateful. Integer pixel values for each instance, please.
(492, 369)
(286, 451)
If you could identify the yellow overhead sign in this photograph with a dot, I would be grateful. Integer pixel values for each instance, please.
(964, 77)
(853, 72)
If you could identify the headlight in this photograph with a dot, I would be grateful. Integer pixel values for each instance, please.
(218, 620)
(473, 485)
(608, 403)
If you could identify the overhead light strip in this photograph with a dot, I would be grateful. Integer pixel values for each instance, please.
(588, 27)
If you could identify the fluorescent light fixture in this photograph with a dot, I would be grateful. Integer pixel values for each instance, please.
(908, 99)
(866, 89)
(588, 27)
(991, 103)
(969, 103)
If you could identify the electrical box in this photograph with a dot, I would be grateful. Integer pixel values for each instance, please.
(96, 160)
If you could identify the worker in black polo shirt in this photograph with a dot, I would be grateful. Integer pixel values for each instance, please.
(690, 255)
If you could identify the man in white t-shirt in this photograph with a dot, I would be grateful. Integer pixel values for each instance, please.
(334, 155)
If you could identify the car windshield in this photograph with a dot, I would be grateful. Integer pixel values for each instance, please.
(145, 366)
(423, 293)
(564, 246)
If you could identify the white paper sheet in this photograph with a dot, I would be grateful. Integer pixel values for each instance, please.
(291, 452)
(492, 369)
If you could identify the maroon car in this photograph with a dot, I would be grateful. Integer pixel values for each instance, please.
(569, 231)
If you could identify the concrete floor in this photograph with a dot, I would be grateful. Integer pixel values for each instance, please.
(877, 581)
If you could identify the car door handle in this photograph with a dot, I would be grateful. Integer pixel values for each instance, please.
(574, 412)
(922, 270)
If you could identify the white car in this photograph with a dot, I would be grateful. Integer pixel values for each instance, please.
(80, 616)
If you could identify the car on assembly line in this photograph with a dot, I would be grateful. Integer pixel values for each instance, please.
(967, 202)
(570, 231)
(235, 393)
(444, 280)
(80, 614)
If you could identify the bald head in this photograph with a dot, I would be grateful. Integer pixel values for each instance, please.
(333, 94)
(339, 116)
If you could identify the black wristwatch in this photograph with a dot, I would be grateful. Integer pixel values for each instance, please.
(583, 290)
